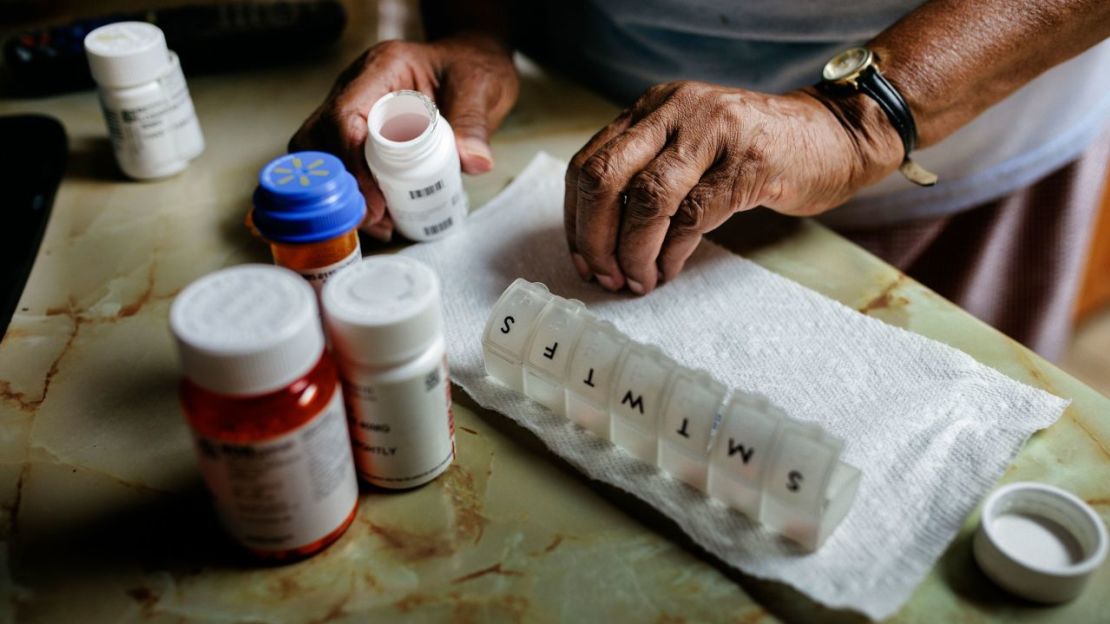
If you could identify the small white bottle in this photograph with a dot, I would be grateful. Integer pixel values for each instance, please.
(146, 103)
(411, 152)
(385, 321)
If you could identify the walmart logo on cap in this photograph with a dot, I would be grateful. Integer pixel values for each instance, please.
(299, 172)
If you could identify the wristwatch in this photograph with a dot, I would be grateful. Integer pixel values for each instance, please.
(858, 69)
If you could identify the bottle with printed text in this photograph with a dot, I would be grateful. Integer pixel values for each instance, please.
(385, 320)
(308, 207)
(265, 406)
(146, 103)
(411, 151)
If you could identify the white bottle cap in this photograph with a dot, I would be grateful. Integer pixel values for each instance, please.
(1039, 541)
(383, 310)
(125, 54)
(247, 330)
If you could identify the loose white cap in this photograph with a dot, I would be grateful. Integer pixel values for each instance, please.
(126, 54)
(383, 310)
(247, 330)
(1039, 542)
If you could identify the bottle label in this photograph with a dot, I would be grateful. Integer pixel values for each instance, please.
(429, 209)
(319, 276)
(182, 117)
(148, 134)
(403, 432)
(286, 492)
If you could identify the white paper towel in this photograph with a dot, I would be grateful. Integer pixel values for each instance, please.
(931, 428)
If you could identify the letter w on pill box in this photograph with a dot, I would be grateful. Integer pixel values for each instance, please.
(743, 451)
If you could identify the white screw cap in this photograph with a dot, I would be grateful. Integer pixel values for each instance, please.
(247, 330)
(125, 54)
(1039, 541)
(383, 310)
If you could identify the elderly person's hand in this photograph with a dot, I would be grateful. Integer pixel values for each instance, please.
(687, 155)
(469, 75)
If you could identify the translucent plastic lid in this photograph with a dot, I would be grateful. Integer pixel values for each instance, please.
(247, 330)
(383, 310)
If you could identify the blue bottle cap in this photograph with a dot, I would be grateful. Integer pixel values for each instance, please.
(305, 197)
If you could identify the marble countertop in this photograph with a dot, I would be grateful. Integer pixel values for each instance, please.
(102, 514)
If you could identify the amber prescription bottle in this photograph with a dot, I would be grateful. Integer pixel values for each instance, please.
(264, 403)
(385, 320)
(308, 207)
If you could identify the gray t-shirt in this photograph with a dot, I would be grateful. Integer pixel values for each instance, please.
(621, 47)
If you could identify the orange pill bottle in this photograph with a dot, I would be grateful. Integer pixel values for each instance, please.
(308, 207)
(263, 401)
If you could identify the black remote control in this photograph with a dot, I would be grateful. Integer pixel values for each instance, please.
(207, 38)
(30, 176)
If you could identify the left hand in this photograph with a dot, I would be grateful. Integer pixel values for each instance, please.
(687, 155)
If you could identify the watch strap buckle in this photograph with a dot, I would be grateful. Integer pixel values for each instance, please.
(916, 173)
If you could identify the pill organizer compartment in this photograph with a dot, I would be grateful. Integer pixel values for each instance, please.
(741, 451)
(636, 399)
(689, 412)
(507, 331)
(548, 352)
(593, 364)
(796, 487)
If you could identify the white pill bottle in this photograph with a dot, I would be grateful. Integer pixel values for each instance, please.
(146, 103)
(411, 151)
(385, 320)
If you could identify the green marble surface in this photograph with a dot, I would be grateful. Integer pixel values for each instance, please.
(102, 515)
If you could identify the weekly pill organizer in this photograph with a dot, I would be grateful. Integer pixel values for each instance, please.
(739, 449)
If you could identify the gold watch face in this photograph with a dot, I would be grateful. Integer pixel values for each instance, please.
(847, 64)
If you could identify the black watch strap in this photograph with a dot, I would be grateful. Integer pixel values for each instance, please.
(857, 69)
(875, 85)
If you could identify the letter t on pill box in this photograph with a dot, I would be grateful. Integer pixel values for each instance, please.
(592, 368)
(689, 412)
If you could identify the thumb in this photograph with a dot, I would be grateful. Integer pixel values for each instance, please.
(469, 107)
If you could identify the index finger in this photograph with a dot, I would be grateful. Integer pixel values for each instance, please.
(570, 184)
(601, 184)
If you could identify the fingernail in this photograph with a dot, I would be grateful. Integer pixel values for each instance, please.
(581, 266)
(635, 287)
(607, 282)
(476, 156)
(383, 234)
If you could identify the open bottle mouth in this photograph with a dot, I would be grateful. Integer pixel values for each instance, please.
(402, 120)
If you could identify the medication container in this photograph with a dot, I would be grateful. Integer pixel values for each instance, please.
(411, 151)
(741, 450)
(264, 403)
(144, 98)
(385, 320)
(308, 207)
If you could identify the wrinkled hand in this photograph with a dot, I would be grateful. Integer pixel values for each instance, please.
(687, 155)
(470, 76)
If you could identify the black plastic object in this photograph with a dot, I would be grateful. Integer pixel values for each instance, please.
(31, 167)
(207, 38)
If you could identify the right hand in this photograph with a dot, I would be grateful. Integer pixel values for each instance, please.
(470, 76)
